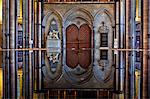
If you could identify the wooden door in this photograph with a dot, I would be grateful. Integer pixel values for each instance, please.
(78, 44)
(84, 46)
(72, 43)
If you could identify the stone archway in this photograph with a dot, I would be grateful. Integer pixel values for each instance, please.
(77, 41)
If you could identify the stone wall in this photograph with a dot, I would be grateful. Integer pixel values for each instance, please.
(101, 74)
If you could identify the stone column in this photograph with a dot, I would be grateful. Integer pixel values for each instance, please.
(28, 31)
(149, 54)
(116, 53)
(37, 44)
(122, 43)
(31, 33)
(145, 48)
(117, 37)
(25, 53)
(127, 15)
(13, 72)
(132, 56)
(40, 42)
(9, 31)
(5, 23)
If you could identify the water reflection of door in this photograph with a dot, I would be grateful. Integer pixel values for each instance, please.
(78, 41)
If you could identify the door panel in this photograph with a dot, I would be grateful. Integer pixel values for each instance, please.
(85, 46)
(72, 43)
(80, 41)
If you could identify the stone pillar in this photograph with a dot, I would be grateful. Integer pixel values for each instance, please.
(145, 48)
(117, 15)
(122, 44)
(31, 35)
(149, 54)
(40, 42)
(127, 15)
(132, 55)
(37, 44)
(116, 53)
(25, 53)
(5, 30)
(28, 31)
(13, 71)
(9, 65)
(120, 36)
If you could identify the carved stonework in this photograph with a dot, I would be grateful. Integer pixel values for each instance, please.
(78, 68)
(103, 64)
(53, 35)
(77, 64)
(53, 67)
(103, 28)
(54, 60)
(103, 70)
(54, 57)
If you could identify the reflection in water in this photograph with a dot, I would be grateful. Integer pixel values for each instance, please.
(54, 61)
(53, 94)
(62, 93)
(85, 58)
(48, 85)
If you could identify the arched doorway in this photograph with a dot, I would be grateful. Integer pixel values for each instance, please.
(78, 44)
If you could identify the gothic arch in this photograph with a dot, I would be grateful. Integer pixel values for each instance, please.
(53, 62)
(78, 12)
(48, 14)
(78, 17)
(103, 69)
(104, 10)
